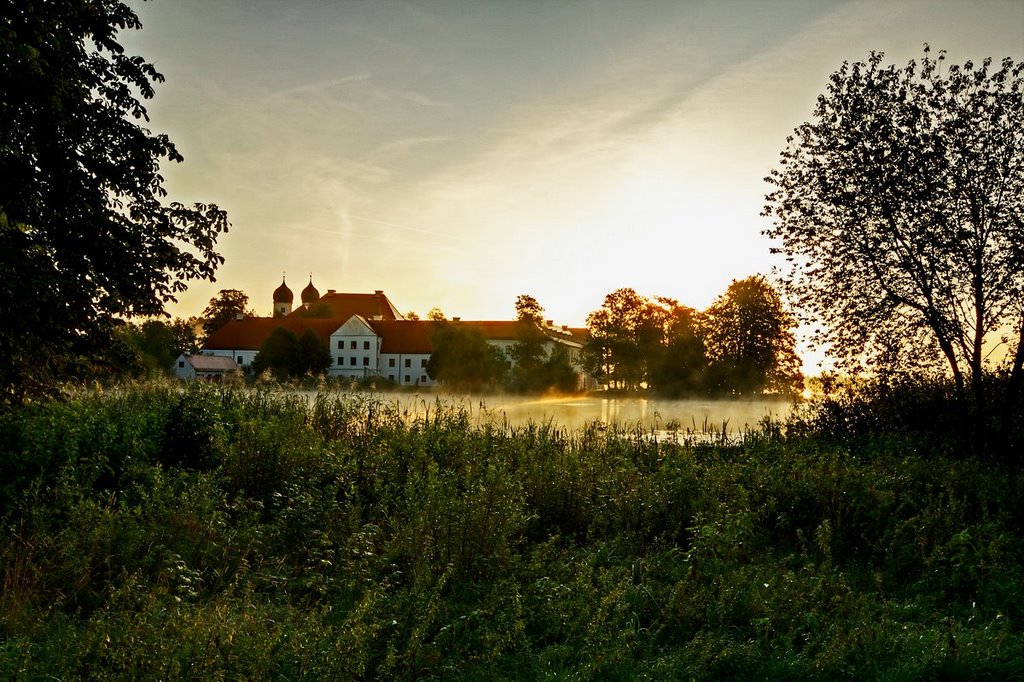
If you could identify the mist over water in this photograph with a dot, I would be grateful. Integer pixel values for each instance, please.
(698, 416)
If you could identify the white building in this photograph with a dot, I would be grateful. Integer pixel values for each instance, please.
(367, 336)
(205, 367)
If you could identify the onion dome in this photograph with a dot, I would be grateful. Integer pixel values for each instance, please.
(310, 294)
(283, 294)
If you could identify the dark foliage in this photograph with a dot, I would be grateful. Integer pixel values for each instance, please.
(217, 533)
(84, 235)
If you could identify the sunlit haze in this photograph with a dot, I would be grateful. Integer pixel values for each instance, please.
(457, 154)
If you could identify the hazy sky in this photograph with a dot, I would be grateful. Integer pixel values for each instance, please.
(459, 153)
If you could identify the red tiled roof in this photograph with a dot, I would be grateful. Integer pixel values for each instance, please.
(344, 306)
(211, 363)
(413, 336)
(250, 333)
(404, 336)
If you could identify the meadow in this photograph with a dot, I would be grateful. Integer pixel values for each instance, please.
(155, 532)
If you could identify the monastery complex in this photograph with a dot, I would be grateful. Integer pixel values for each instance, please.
(366, 334)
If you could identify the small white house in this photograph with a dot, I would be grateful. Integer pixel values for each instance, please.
(204, 367)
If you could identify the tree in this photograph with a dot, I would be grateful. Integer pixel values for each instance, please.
(624, 334)
(528, 310)
(462, 359)
(288, 355)
(540, 363)
(679, 367)
(435, 314)
(85, 237)
(314, 357)
(224, 307)
(159, 343)
(900, 208)
(749, 340)
(529, 352)
(317, 311)
(279, 354)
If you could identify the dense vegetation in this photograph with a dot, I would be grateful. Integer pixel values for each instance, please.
(157, 532)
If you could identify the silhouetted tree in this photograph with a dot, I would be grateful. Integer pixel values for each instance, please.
(462, 360)
(624, 333)
(317, 311)
(288, 355)
(749, 341)
(85, 237)
(314, 357)
(900, 208)
(159, 343)
(224, 307)
(529, 352)
(678, 368)
(279, 353)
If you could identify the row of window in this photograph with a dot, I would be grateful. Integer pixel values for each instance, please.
(352, 345)
(408, 379)
(352, 361)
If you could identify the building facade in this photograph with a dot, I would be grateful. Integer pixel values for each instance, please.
(366, 335)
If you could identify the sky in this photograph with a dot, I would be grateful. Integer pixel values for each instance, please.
(458, 153)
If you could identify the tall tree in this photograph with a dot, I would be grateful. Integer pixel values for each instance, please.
(900, 207)
(224, 307)
(159, 343)
(462, 359)
(287, 355)
(749, 340)
(529, 352)
(678, 366)
(85, 237)
(624, 333)
(314, 357)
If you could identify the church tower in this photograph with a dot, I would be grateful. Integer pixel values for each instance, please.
(310, 295)
(283, 298)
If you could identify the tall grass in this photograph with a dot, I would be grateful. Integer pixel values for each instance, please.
(155, 532)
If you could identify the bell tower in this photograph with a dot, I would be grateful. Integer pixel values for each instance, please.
(283, 298)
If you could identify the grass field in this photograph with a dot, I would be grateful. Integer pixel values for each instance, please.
(153, 532)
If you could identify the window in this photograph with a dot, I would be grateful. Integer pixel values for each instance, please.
(423, 362)
(391, 362)
(391, 377)
(366, 345)
(424, 379)
(341, 345)
(366, 362)
(352, 361)
(407, 378)
(341, 360)
(408, 363)
(239, 359)
(181, 363)
(352, 346)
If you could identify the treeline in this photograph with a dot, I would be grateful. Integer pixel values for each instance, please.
(742, 344)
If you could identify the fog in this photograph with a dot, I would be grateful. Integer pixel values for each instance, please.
(699, 416)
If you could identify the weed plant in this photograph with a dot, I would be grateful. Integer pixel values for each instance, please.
(155, 532)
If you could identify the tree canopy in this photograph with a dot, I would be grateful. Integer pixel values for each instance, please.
(538, 364)
(742, 344)
(900, 208)
(288, 355)
(748, 336)
(462, 359)
(224, 307)
(85, 236)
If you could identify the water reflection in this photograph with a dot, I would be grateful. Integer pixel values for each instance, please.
(730, 417)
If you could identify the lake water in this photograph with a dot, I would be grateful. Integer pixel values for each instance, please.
(701, 416)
